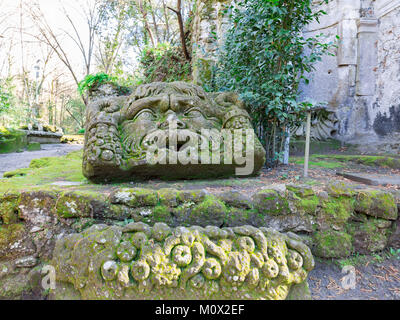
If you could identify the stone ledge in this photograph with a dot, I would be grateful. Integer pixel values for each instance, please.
(365, 218)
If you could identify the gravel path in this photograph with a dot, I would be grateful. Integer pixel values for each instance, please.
(13, 161)
(373, 282)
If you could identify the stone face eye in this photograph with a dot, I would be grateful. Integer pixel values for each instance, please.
(193, 113)
(145, 115)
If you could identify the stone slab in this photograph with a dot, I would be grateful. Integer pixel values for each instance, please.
(372, 179)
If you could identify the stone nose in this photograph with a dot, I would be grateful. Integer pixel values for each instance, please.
(172, 121)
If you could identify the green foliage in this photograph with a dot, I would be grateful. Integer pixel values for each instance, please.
(6, 96)
(395, 253)
(265, 58)
(76, 110)
(92, 81)
(164, 63)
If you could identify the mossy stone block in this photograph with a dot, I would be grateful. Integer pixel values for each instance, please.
(12, 140)
(378, 204)
(211, 211)
(332, 244)
(168, 197)
(270, 202)
(371, 235)
(33, 146)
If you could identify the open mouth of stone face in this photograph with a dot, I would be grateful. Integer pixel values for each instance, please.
(177, 144)
(177, 141)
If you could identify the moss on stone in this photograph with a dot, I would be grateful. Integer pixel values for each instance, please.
(300, 292)
(195, 196)
(376, 203)
(211, 211)
(332, 244)
(147, 197)
(301, 190)
(12, 140)
(335, 213)
(339, 190)
(270, 202)
(9, 209)
(372, 161)
(168, 197)
(161, 214)
(14, 287)
(308, 205)
(42, 163)
(33, 146)
(72, 205)
(16, 173)
(370, 236)
(10, 234)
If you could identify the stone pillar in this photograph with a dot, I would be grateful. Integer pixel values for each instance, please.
(349, 13)
(368, 57)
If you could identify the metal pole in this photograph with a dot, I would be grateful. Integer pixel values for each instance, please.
(308, 139)
(287, 147)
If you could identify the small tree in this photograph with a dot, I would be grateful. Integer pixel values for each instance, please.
(265, 58)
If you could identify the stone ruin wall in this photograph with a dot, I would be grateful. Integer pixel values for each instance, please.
(361, 84)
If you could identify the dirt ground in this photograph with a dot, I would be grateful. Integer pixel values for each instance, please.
(374, 281)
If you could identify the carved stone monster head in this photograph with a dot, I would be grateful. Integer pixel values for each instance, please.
(167, 130)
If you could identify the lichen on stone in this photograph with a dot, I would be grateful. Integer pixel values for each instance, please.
(197, 263)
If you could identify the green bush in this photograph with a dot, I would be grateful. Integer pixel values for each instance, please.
(92, 81)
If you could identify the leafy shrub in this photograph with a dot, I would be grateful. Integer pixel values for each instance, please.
(92, 81)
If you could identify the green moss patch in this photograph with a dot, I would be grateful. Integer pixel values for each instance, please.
(377, 204)
(372, 161)
(43, 172)
(12, 140)
(270, 202)
(371, 235)
(321, 163)
(33, 146)
(211, 211)
(332, 244)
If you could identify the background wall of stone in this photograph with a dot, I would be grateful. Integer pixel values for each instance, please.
(360, 84)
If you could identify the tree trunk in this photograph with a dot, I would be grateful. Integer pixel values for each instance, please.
(146, 23)
(178, 12)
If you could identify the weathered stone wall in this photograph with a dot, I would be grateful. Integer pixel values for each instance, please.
(86, 232)
(360, 83)
(386, 108)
